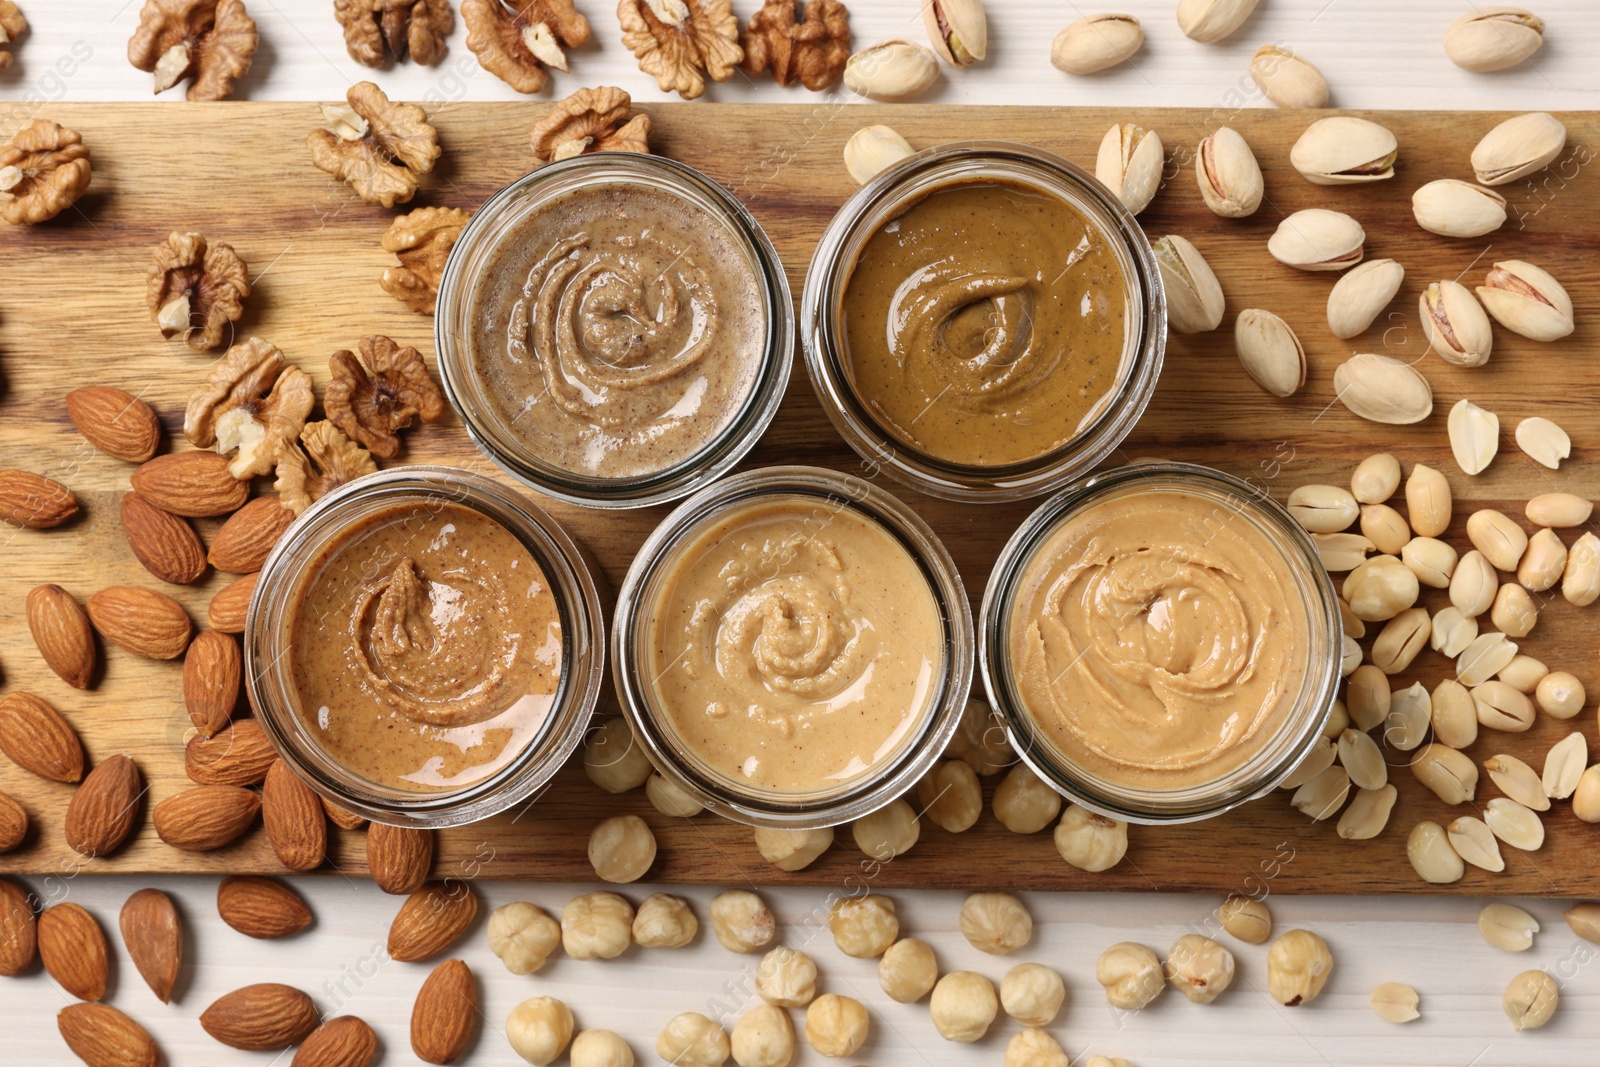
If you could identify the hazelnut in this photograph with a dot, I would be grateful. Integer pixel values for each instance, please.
(1090, 842)
(836, 1026)
(793, 850)
(596, 926)
(1035, 1048)
(1530, 1000)
(996, 923)
(1298, 965)
(1247, 919)
(539, 1029)
(963, 1005)
(864, 927)
(742, 921)
(600, 1048)
(1023, 803)
(613, 758)
(764, 1037)
(692, 1040)
(887, 832)
(664, 921)
(622, 848)
(1032, 994)
(950, 796)
(908, 970)
(1199, 968)
(523, 936)
(669, 798)
(1131, 974)
(980, 740)
(786, 978)
(1107, 1061)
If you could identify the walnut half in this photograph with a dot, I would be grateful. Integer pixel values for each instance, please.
(414, 29)
(421, 241)
(44, 168)
(211, 41)
(811, 49)
(516, 42)
(252, 403)
(327, 460)
(196, 289)
(682, 42)
(379, 147)
(370, 403)
(12, 27)
(591, 120)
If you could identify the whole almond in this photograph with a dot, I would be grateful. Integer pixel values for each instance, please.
(261, 1018)
(62, 633)
(241, 546)
(294, 820)
(154, 939)
(19, 929)
(344, 1041)
(141, 621)
(431, 920)
(239, 755)
(73, 949)
(38, 739)
(13, 823)
(211, 673)
(34, 501)
(117, 423)
(192, 484)
(229, 607)
(166, 545)
(398, 857)
(102, 1036)
(205, 817)
(343, 818)
(103, 809)
(445, 1014)
(261, 907)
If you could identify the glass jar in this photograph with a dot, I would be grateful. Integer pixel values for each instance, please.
(270, 653)
(887, 198)
(464, 305)
(914, 744)
(1220, 500)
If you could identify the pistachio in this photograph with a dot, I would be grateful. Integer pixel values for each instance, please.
(1455, 716)
(1484, 658)
(1507, 926)
(1474, 436)
(1367, 814)
(873, 149)
(1530, 1000)
(1559, 510)
(1502, 708)
(1272, 355)
(1450, 207)
(1385, 527)
(1584, 920)
(1543, 563)
(1129, 164)
(1375, 478)
(1495, 38)
(1360, 295)
(1344, 150)
(1395, 1002)
(1382, 389)
(1514, 824)
(1518, 147)
(1513, 612)
(1473, 841)
(1580, 582)
(1518, 781)
(1318, 239)
(1287, 79)
(1432, 856)
(1455, 323)
(1431, 560)
(1428, 501)
(1410, 711)
(1368, 697)
(1207, 21)
(1362, 760)
(1501, 540)
(1524, 674)
(1341, 552)
(1401, 639)
(894, 70)
(957, 29)
(1453, 631)
(1450, 774)
(1194, 297)
(1095, 43)
(1543, 441)
(1473, 585)
(1323, 795)
(1229, 176)
(1380, 589)
(1560, 695)
(1527, 301)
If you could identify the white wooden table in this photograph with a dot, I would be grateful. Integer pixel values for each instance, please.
(1376, 54)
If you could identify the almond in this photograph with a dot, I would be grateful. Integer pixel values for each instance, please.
(205, 817)
(117, 423)
(261, 1018)
(38, 739)
(398, 857)
(102, 1036)
(166, 545)
(241, 546)
(294, 820)
(229, 606)
(431, 920)
(73, 949)
(62, 633)
(141, 621)
(34, 501)
(345, 1041)
(261, 907)
(154, 939)
(343, 818)
(13, 823)
(445, 1013)
(211, 672)
(192, 484)
(103, 808)
(19, 930)
(239, 755)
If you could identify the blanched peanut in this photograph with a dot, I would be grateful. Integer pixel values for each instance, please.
(1543, 562)
(1323, 508)
(1500, 539)
(1473, 584)
(1385, 527)
(1380, 589)
(1513, 612)
(1428, 501)
(1524, 673)
(1375, 479)
(1560, 694)
(1580, 581)
(1431, 560)
(1401, 639)
(1455, 716)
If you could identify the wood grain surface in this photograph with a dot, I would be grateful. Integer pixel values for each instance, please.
(72, 312)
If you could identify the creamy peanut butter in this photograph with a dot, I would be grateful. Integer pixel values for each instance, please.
(794, 645)
(426, 648)
(1156, 640)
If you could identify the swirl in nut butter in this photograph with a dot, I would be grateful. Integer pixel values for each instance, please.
(985, 324)
(619, 329)
(794, 645)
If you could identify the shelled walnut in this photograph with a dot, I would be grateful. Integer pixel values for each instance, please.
(196, 288)
(404, 29)
(682, 42)
(517, 41)
(421, 241)
(253, 404)
(323, 460)
(44, 168)
(811, 49)
(12, 26)
(591, 120)
(379, 147)
(210, 41)
(369, 403)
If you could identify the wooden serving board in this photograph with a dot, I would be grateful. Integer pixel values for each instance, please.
(72, 312)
